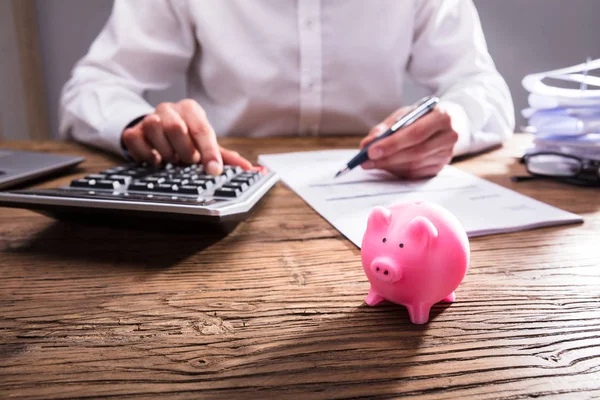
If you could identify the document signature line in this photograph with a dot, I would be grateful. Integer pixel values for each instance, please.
(399, 192)
(359, 182)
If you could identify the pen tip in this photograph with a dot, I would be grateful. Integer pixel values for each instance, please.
(342, 172)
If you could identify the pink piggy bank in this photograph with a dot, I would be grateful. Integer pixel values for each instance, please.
(414, 254)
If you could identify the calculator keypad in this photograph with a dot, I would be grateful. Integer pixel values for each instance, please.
(170, 180)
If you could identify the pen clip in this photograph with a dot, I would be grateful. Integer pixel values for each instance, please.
(414, 106)
(423, 106)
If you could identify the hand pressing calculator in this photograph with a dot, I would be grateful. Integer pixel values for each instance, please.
(169, 192)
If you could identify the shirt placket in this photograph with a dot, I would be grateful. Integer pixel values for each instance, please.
(310, 40)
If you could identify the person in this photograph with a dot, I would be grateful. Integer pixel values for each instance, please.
(288, 67)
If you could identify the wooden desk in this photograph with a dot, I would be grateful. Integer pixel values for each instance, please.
(275, 309)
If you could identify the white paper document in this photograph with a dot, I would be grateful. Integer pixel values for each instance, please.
(482, 207)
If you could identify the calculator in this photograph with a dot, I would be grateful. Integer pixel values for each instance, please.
(182, 193)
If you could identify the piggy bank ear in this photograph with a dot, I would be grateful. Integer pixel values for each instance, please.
(379, 218)
(422, 230)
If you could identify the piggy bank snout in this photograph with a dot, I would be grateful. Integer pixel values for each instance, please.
(385, 270)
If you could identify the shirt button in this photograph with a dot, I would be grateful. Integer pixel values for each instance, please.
(308, 23)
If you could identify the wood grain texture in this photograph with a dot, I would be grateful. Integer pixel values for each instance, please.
(275, 309)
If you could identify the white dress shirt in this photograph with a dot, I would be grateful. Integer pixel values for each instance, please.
(289, 67)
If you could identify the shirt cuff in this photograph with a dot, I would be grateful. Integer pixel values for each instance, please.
(461, 125)
(120, 117)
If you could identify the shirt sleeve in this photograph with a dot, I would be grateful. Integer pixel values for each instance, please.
(142, 47)
(450, 58)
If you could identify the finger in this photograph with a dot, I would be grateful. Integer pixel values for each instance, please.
(231, 157)
(383, 126)
(438, 159)
(177, 133)
(412, 135)
(401, 165)
(203, 136)
(374, 133)
(441, 140)
(157, 158)
(136, 145)
(152, 127)
(396, 115)
(402, 160)
(429, 167)
(396, 164)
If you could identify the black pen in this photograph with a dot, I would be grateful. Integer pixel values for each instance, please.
(422, 107)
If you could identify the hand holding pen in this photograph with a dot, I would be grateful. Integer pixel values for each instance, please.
(419, 147)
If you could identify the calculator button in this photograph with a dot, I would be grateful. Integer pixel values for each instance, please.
(122, 179)
(228, 192)
(236, 185)
(81, 183)
(104, 184)
(247, 180)
(140, 187)
(153, 179)
(211, 178)
(190, 189)
(164, 187)
(250, 174)
(177, 181)
(96, 183)
(229, 171)
(204, 184)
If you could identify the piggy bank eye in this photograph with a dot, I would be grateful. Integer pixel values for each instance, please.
(401, 245)
(384, 239)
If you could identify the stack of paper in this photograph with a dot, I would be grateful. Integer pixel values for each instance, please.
(565, 119)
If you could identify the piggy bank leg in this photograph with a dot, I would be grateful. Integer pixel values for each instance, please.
(373, 298)
(419, 313)
(450, 298)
